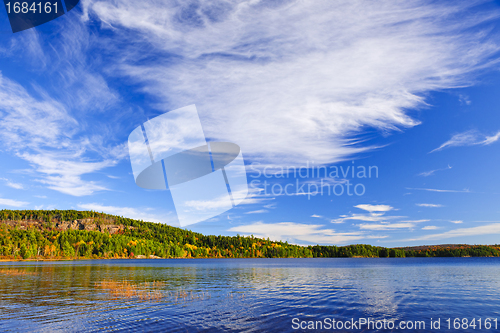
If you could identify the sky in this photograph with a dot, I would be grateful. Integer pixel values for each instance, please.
(403, 93)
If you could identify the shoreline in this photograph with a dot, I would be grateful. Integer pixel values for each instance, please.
(355, 257)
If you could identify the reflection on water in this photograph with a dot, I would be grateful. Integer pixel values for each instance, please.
(251, 295)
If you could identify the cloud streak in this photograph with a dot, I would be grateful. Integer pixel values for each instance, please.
(386, 226)
(429, 205)
(41, 131)
(430, 227)
(299, 232)
(489, 229)
(375, 208)
(432, 172)
(129, 212)
(12, 203)
(12, 184)
(469, 138)
(47, 112)
(260, 211)
(376, 214)
(439, 190)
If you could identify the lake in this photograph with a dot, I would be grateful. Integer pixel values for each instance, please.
(252, 295)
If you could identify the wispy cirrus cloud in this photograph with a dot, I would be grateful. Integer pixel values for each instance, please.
(386, 226)
(377, 220)
(47, 125)
(299, 232)
(464, 99)
(488, 229)
(259, 211)
(12, 184)
(429, 205)
(296, 80)
(430, 227)
(375, 208)
(41, 131)
(376, 214)
(336, 221)
(373, 217)
(130, 212)
(63, 173)
(440, 190)
(204, 205)
(469, 138)
(12, 203)
(432, 172)
(29, 122)
(415, 221)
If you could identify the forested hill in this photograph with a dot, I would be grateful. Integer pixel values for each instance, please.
(70, 234)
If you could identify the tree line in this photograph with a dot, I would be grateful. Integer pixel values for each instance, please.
(42, 240)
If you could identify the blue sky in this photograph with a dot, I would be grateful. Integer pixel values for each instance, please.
(410, 88)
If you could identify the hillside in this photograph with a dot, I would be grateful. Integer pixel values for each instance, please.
(70, 234)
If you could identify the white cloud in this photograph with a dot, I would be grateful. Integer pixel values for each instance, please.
(296, 81)
(490, 139)
(378, 219)
(251, 198)
(297, 232)
(30, 122)
(203, 205)
(377, 214)
(375, 208)
(41, 131)
(469, 138)
(129, 212)
(386, 226)
(373, 217)
(490, 229)
(56, 119)
(13, 203)
(464, 99)
(415, 221)
(430, 227)
(271, 206)
(12, 184)
(64, 175)
(439, 190)
(457, 221)
(317, 216)
(260, 211)
(432, 172)
(429, 205)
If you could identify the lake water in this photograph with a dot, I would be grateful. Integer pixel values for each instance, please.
(250, 295)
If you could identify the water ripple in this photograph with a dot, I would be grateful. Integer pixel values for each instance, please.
(260, 295)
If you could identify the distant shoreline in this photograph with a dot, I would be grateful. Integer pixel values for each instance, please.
(354, 257)
(63, 235)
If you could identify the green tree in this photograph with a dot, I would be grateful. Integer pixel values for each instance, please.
(68, 250)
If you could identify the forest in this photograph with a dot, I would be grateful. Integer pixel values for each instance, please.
(42, 234)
